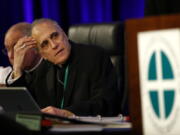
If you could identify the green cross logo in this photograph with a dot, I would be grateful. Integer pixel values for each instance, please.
(161, 84)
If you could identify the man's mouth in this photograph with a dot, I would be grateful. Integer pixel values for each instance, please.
(59, 51)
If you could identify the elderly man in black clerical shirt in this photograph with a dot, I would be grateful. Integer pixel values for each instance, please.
(72, 79)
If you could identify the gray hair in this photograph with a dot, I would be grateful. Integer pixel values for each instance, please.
(44, 20)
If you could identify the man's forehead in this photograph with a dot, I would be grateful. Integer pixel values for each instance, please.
(44, 26)
(43, 31)
(12, 37)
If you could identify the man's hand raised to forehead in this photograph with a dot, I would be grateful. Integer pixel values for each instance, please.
(21, 48)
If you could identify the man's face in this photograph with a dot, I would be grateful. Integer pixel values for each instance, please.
(53, 44)
(10, 41)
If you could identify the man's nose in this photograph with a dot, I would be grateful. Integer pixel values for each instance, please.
(53, 44)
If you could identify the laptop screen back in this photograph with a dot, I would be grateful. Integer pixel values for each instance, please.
(17, 99)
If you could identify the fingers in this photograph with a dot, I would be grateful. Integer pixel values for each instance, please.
(21, 48)
(25, 42)
(46, 109)
(32, 43)
(56, 111)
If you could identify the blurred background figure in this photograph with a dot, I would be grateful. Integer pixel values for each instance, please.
(20, 48)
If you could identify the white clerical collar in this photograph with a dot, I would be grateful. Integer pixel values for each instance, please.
(32, 69)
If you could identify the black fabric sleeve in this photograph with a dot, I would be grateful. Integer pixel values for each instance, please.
(103, 89)
(20, 82)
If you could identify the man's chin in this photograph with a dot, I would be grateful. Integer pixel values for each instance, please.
(60, 61)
